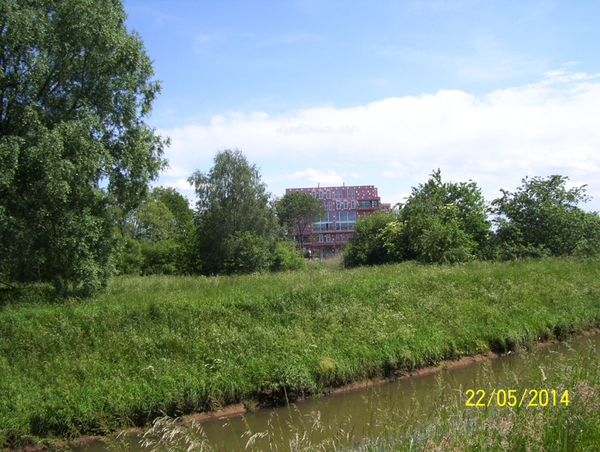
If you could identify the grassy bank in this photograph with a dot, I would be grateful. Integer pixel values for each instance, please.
(167, 345)
(547, 425)
(441, 421)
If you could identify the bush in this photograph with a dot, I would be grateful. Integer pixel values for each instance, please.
(287, 257)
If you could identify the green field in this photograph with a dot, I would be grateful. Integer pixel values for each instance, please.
(167, 345)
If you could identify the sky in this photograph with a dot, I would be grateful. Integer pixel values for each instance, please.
(378, 92)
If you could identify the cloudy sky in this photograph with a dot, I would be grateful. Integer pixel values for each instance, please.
(378, 92)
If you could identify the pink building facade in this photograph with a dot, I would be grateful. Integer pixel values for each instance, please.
(343, 206)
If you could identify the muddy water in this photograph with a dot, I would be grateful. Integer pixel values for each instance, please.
(359, 411)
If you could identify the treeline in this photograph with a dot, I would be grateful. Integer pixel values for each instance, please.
(233, 229)
(445, 222)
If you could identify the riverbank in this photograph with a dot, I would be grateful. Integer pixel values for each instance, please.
(167, 345)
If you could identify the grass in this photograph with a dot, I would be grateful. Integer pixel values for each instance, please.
(152, 346)
(555, 427)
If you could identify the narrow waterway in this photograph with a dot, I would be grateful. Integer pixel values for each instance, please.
(362, 412)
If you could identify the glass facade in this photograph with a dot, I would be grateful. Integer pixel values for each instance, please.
(343, 206)
(325, 223)
(345, 221)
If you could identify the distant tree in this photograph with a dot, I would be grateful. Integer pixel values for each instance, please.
(542, 218)
(296, 212)
(156, 234)
(178, 205)
(444, 221)
(441, 222)
(74, 88)
(367, 246)
(235, 223)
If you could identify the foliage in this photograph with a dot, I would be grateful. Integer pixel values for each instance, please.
(156, 235)
(444, 221)
(286, 257)
(74, 87)
(441, 222)
(368, 244)
(541, 218)
(235, 224)
(297, 211)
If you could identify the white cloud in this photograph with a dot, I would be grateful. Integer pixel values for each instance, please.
(317, 177)
(550, 127)
(179, 184)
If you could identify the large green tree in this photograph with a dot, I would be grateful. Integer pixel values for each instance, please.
(441, 222)
(296, 212)
(542, 218)
(235, 223)
(75, 86)
(444, 221)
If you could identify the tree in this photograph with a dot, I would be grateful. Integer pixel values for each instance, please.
(444, 221)
(296, 212)
(74, 88)
(155, 234)
(542, 218)
(441, 222)
(235, 224)
(368, 244)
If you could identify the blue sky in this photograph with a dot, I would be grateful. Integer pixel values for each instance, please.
(378, 92)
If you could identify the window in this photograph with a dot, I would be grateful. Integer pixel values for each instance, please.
(353, 194)
(343, 237)
(337, 237)
(345, 221)
(345, 204)
(334, 194)
(314, 195)
(373, 203)
(325, 223)
(338, 203)
(330, 206)
(320, 195)
(328, 238)
(352, 205)
(328, 193)
(320, 238)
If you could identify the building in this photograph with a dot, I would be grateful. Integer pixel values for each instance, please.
(343, 205)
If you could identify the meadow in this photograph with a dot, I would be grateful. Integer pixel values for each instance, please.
(151, 346)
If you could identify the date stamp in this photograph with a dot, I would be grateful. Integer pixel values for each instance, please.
(510, 397)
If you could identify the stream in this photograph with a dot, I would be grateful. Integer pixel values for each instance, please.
(359, 410)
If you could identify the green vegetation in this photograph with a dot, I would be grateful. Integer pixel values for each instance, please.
(542, 219)
(169, 345)
(448, 426)
(236, 229)
(156, 235)
(441, 222)
(296, 212)
(74, 89)
(445, 222)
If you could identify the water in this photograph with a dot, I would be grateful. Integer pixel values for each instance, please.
(360, 411)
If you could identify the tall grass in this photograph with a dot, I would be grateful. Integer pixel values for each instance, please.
(453, 426)
(172, 345)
